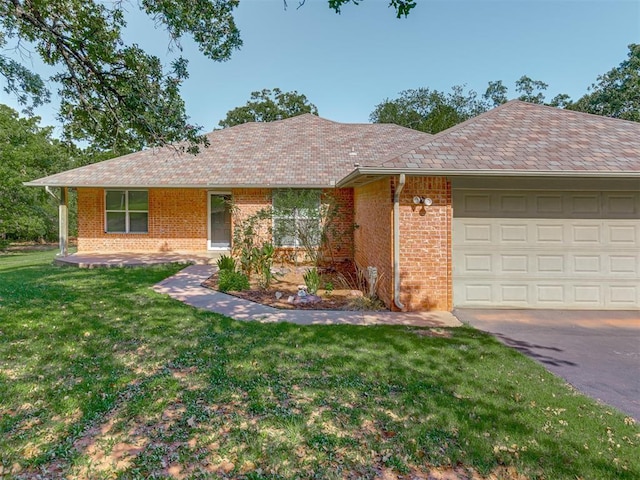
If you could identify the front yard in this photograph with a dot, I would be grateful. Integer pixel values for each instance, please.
(100, 377)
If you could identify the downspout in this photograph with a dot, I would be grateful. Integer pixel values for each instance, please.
(396, 242)
(63, 219)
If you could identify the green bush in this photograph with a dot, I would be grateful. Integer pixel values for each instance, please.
(226, 262)
(312, 281)
(230, 280)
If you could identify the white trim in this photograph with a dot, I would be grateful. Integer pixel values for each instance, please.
(221, 193)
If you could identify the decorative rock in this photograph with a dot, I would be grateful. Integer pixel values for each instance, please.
(291, 299)
(306, 300)
(278, 295)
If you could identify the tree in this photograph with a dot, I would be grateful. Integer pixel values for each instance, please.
(617, 92)
(428, 110)
(116, 95)
(268, 106)
(432, 111)
(28, 152)
(530, 90)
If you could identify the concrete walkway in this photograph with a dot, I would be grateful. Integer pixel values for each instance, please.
(185, 286)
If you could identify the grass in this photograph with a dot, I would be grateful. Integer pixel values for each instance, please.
(100, 377)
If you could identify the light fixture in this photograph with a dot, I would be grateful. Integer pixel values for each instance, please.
(422, 200)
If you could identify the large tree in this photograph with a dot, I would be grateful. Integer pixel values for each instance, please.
(268, 106)
(429, 110)
(617, 92)
(432, 111)
(114, 94)
(28, 152)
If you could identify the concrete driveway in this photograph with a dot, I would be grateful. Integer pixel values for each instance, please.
(598, 352)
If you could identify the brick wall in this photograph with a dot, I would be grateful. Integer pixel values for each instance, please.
(177, 222)
(425, 240)
(425, 245)
(340, 230)
(373, 204)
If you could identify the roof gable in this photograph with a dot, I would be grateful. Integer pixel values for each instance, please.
(521, 137)
(302, 151)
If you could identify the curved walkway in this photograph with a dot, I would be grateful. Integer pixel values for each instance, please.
(186, 287)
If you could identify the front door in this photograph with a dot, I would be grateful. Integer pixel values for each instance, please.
(219, 221)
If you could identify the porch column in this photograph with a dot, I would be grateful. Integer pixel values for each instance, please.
(63, 222)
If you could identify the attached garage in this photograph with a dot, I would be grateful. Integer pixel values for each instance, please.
(546, 243)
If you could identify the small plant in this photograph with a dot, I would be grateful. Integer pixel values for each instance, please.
(328, 288)
(230, 280)
(263, 258)
(312, 281)
(226, 262)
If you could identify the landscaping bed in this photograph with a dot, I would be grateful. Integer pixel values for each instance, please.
(341, 288)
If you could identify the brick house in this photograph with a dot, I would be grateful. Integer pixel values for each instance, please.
(524, 206)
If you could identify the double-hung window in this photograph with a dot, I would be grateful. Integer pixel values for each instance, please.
(296, 221)
(127, 211)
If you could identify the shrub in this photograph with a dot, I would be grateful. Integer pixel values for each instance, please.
(230, 280)
(312, 280)
(226, 262)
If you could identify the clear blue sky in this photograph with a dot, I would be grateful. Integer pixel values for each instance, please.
(346, 64)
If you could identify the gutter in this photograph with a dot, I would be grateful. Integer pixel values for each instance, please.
(396, 242)
(420, 172)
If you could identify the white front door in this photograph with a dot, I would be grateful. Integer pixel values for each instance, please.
(219, 221)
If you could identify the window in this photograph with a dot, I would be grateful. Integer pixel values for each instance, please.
(127, 211)
(296, 220)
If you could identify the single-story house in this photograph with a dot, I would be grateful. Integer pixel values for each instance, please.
(523, 206)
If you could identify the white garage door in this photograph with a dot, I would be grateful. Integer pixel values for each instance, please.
(542, 249)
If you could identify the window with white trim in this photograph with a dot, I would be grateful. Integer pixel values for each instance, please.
(296, 221)
(127, 211)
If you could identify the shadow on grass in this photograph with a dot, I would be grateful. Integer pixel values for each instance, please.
(101, 375)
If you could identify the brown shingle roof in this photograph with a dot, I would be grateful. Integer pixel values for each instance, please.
(523, 137)
(299, 151)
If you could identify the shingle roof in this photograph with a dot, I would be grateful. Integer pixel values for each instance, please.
(523, 137)
(299, 151)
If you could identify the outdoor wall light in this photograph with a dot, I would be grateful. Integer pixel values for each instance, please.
(422, 200)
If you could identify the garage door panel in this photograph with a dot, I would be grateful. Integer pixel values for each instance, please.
(561, 252)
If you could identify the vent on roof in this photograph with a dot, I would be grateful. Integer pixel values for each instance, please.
(353, 152)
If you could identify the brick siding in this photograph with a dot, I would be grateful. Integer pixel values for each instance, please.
(373, 204)
(425, 245)
(178, 220)
(425, 240)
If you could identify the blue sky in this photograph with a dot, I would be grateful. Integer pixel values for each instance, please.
(346, 64)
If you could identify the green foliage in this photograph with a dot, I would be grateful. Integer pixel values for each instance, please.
(249, 235)
(230, 280)
(225, 262)
(269, 106)
(530, 90)
(328, 288)
(428, 110)
(312, 280)
(263, 258)
(28, 152)
(112, 93)
(432, 111)
(616, 93)
(401, 7)
(305, 218)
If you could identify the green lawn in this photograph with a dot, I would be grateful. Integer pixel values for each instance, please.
(100, 377)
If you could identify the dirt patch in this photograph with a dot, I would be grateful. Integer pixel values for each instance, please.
(340, 289)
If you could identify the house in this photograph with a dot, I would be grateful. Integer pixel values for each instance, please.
(524, 206)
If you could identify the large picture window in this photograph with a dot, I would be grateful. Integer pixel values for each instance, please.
(296, 221)
(127, 211)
